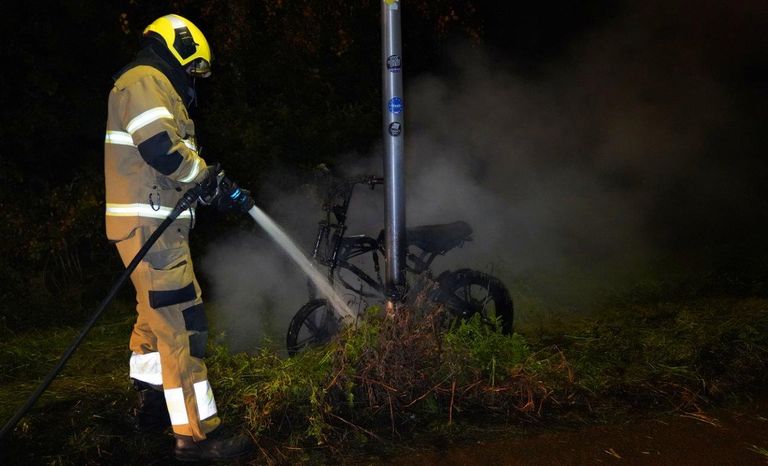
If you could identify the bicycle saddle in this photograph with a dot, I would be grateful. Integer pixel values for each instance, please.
(436, 238)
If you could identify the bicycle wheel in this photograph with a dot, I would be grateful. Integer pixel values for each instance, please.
(313, 325)
(468, 292)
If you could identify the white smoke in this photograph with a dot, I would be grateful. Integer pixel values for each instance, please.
(556, 173)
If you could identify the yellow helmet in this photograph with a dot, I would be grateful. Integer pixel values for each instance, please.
(185, 41)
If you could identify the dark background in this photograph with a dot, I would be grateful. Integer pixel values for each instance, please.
(298, 83)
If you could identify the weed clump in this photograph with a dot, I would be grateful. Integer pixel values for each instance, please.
(387, 377)
(404, 372)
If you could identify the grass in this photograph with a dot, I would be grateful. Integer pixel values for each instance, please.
(395, 380)
(760, 451)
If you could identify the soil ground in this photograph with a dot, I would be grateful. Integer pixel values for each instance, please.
(734, 435)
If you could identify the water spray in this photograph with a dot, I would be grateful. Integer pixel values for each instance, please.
(242, 200)
(317, 278)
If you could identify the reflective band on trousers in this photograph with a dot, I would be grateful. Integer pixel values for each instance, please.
(119, 137)
(206, 405)
(143, 210)
(192, 172)
(147, 117)
(174, 400)
(146, 367)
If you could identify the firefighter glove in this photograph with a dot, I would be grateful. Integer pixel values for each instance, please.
(210, 190)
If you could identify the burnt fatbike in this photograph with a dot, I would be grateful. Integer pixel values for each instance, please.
(463, 293)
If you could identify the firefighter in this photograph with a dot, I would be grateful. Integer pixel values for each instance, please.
(151, 159)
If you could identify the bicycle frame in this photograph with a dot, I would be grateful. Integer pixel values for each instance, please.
(332, 249)
(316, 321)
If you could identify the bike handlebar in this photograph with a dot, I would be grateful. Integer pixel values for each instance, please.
(346, 184)
(370, 180)
(322, 172)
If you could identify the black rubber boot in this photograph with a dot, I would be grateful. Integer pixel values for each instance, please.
(151, 413)
(217, 446)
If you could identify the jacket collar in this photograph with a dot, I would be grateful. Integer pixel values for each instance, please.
(157, 56)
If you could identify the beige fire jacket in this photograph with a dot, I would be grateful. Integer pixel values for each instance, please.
(150, 154)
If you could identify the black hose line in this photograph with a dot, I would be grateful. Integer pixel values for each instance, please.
(184, 203)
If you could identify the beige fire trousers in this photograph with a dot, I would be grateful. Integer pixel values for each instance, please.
(169, 336)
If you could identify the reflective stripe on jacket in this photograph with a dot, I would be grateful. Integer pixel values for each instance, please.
(150, 154)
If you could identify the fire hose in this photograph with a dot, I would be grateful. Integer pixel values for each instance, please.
(184, 203)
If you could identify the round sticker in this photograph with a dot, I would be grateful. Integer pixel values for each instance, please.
(395, 105)
(395, 128)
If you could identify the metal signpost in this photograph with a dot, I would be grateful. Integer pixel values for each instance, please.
(393, 129)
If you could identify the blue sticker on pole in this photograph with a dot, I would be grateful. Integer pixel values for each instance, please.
(394, 63)
(395, 105)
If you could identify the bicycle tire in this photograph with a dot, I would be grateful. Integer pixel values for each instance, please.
(496, 302)
(314, 324)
